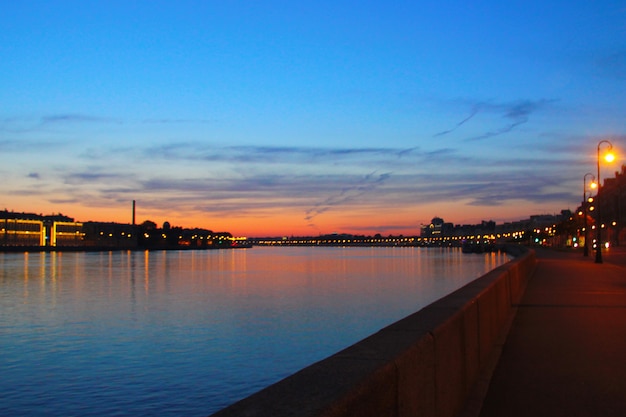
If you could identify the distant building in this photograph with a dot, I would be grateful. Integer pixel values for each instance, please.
(22, 232)
(111, 235)
(28, 230)
(35, 230)
(66, 234)
(612, 200)
(436, 228)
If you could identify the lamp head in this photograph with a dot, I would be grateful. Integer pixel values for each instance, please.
(609, 156)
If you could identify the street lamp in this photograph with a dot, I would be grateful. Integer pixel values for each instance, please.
(585, 203)
(608, 157)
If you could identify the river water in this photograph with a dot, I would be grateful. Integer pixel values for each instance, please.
(185, 333)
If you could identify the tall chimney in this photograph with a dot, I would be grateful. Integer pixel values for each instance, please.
(133, 212)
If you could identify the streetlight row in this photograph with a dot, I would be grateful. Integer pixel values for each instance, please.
(609, 157)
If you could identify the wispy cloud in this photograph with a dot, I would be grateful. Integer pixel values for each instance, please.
(25, 124)
(74, 118)
(166, 121)
(26, 145)
(241, 181)
(514, 113)
(348, 193)
(271, 173)
(517, 113)
(527, 180)
(473, 113)
(33, 124)
(265, 154)
(91, 177)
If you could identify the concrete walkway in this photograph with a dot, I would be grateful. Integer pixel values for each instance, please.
(565, 354)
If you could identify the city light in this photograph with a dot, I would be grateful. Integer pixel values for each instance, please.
(592, 185)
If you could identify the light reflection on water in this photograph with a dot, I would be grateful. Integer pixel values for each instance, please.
(188, 332)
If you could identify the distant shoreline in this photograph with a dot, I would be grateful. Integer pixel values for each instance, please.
(47, 249)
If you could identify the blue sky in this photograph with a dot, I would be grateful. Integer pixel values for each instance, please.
(281, 117)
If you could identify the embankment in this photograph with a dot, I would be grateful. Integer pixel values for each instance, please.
(423, 365)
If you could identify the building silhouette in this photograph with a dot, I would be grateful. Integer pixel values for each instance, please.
(25, 231)
(611, 198)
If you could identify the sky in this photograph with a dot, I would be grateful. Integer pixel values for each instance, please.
(270, 118)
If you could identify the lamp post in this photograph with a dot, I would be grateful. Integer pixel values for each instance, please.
(608, 158)
(585, 203)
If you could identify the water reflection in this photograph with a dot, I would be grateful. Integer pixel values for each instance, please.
(186, 333)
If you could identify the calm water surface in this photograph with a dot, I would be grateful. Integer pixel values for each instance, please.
(187, 333)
